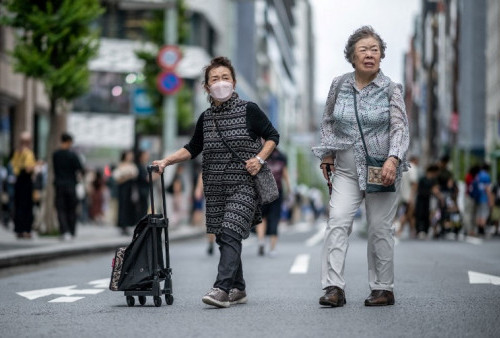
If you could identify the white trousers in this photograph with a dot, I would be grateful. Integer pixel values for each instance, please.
(380, 211)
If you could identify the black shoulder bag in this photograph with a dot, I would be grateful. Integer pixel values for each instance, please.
(264, 180)
(373, 164)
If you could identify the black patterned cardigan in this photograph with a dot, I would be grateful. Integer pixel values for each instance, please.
(231, 200)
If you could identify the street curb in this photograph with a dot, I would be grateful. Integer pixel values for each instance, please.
(39, 255)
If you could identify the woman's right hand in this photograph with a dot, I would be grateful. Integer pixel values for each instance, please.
(324, 167)
(162, 164)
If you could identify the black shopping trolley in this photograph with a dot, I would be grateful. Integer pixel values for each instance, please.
(139, 268)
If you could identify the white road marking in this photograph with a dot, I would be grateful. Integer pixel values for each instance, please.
(482, 278)
(301, 264)
(100, 283)
(65, 299)
(317, 237)
(64, 290)
(473, 240)
(301, 227)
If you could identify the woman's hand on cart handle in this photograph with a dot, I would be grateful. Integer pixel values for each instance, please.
(160, 164)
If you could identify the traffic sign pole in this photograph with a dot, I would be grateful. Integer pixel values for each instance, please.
(169, 101)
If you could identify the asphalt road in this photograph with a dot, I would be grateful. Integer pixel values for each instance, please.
(433, 289)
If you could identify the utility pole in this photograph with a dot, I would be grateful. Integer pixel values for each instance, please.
(169, 101)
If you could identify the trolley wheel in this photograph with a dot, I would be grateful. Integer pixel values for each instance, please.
(142, 300)
(157, 301)
(169, 299)
(130, 301)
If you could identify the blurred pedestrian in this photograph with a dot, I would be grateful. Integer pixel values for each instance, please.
(176, 190)
(142, 159)
(407, 194)
(271, 213)
(67, 167)
(197, 217)
(198, 195)
(449, 191)
(469, 221)
(125, 175)
(483, 197)
(96, 197)
(4, 196)
(232, 202)
(495, 210)
(23, 164)
(372, 98)
(428, 186)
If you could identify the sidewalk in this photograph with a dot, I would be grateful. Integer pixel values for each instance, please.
(90, 238)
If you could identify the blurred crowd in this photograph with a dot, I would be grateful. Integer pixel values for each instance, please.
(434, 204)
(117, 194)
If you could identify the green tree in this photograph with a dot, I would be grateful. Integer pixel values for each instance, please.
(155, 32)
(54, 44)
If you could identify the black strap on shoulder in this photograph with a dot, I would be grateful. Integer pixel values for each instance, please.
(359, 123)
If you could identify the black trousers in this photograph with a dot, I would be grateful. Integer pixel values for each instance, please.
(66, 203)
(230, 270)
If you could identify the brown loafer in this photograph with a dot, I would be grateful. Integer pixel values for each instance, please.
(380, 298)
(334, 297)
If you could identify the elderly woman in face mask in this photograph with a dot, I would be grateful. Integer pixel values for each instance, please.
(364, 117)
(232, 202)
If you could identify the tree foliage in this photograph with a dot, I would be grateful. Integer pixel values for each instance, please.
(55, 44)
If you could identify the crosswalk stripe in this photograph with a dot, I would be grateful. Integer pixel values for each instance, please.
(301, 264)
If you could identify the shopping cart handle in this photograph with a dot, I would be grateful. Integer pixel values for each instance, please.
(152, 168)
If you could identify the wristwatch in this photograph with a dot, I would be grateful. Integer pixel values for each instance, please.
(261, 161)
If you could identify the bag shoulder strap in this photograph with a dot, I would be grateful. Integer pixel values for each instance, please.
(359, 123)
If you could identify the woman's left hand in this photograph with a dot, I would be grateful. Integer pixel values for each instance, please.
(389, 171)
(253, 166)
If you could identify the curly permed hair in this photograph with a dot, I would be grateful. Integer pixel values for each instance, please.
(362, 33)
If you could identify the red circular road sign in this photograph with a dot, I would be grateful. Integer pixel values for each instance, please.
(168, 82)
(168, 57)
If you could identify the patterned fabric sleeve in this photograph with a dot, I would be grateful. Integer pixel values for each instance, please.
(324, 149)
(399, 132)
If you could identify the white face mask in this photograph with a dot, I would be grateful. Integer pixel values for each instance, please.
(221, 91)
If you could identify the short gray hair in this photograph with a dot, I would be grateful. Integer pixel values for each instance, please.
(362, 33)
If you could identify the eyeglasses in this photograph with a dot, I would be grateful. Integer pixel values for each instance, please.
(364, 51)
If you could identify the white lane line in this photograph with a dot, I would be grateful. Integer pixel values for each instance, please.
(317, 237)
(65, 299)
(301, 264)
(482, 278)
(100, 283)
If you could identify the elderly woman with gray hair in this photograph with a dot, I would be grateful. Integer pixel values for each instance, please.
(364, 118)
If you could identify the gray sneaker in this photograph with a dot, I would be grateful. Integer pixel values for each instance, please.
(237, 296)
(216, 297)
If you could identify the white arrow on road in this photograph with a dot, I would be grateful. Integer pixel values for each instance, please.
(64, 290)
(100, 283)
(482, 278)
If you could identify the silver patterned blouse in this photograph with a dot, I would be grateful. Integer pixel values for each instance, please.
(384, 123)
